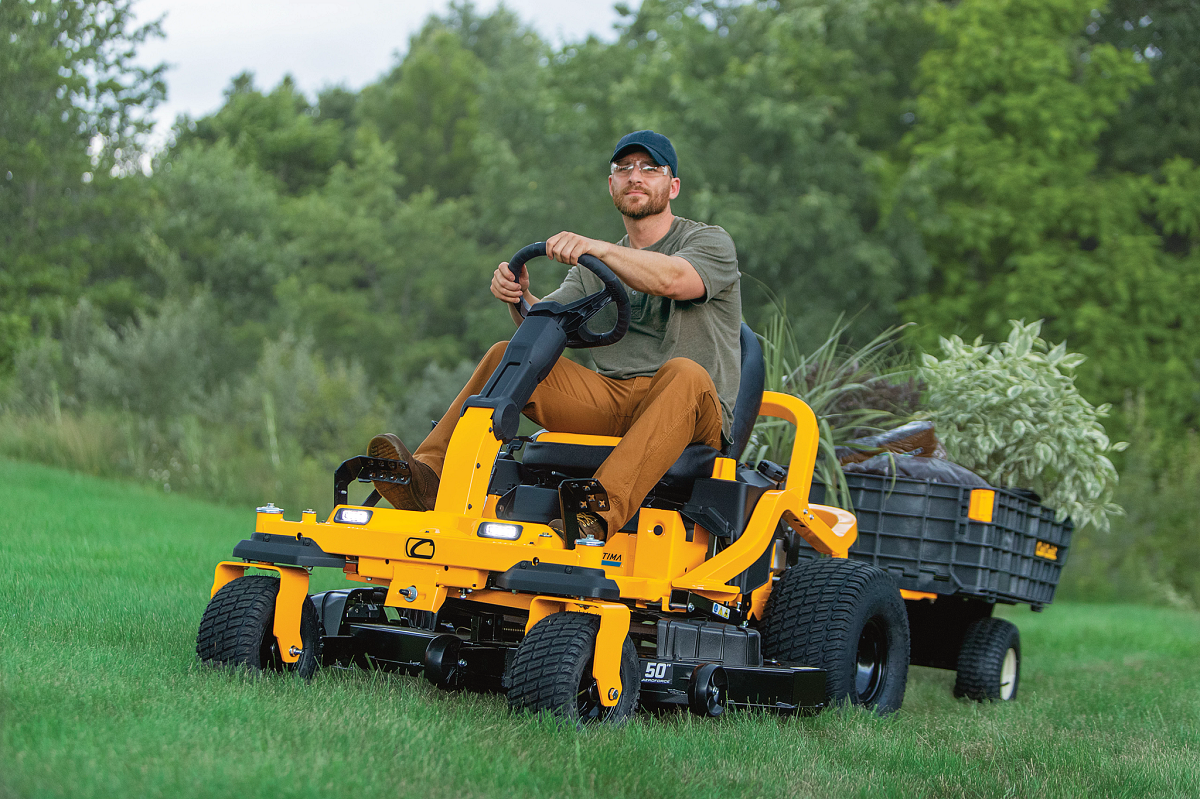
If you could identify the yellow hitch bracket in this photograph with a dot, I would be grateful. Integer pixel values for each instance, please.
(289, 602)
(614, 627)
(829, 530)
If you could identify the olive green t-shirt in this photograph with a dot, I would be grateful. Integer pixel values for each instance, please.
(706, 330)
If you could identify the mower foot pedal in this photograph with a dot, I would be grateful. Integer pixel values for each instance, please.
(579, 496)
(384, 470)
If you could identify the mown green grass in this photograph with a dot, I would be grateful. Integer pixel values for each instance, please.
(102, 585)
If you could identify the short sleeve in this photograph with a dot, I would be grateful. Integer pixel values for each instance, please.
(572, 288)
(710, 250)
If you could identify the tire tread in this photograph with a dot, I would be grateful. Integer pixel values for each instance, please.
(982, 655)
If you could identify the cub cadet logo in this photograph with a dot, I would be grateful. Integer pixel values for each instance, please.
(419, 548)
(610, 559)
(1047, 551)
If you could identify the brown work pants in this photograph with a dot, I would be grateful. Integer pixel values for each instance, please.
(657, 418)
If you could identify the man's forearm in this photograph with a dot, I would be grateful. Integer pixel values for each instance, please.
(655, 273)
(647, 272)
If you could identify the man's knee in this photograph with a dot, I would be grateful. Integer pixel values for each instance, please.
(688, 371)
(494, 353)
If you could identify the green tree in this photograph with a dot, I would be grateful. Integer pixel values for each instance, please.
(427, 108)
(1162, 118)
(393, 282)
(281, 133)
(74, 113)
(1018, 219)
(218, 229)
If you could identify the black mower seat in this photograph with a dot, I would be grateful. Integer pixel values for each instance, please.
(582, 460)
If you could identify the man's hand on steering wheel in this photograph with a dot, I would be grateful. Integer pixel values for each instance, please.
(566, 247)
(507, 287)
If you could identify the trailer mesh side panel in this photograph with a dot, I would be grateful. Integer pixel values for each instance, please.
(920, 533)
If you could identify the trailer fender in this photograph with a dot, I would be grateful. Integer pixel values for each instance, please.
(293, 588)
(614, 627)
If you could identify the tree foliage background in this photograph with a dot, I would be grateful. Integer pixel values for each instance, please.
(302, 269)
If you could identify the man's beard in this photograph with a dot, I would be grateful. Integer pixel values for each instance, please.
(655, 203)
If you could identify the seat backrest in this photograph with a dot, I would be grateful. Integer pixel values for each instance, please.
(749, 396)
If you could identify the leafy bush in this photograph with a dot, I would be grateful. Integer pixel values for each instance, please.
(1011, 413)
(159, 366)
(146, 403)
(325, 408)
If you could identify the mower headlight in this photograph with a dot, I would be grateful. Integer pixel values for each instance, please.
(504, 532)
(352, 516)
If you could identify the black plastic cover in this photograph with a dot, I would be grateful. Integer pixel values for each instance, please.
(286, 550)
(506, 475)
(723, 507)
(528, 504)
(711, 642)
(556, 579)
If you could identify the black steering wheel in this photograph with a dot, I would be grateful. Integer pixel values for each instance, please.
(576, 314)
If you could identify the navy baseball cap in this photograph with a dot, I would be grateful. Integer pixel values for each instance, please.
(658, 145)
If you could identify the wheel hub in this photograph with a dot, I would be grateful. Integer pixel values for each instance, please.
(871, 664)
(1008, 675)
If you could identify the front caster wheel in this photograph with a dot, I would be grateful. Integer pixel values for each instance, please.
(237, 629)
(989, 663)
(551, 671)
(708, 690)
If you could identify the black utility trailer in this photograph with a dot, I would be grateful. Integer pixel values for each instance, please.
(957, 551)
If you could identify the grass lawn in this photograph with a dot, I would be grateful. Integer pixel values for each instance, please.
(102, 586)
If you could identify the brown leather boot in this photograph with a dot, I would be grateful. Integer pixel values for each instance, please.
(420, 493)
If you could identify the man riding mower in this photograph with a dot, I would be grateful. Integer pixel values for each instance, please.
(631, 560)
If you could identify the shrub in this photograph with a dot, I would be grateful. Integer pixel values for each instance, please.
(1011, 413)
(294, 395)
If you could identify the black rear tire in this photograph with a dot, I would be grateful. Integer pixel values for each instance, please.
(551, 672)
(237, 629)
(847, 618)
(989, 663)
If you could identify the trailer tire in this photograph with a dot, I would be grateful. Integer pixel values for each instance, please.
(551, 672)
(847, 618)
(989, 663)
(237, 629)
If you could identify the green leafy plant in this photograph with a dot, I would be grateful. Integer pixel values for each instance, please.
(852, 391)
(1011, 413)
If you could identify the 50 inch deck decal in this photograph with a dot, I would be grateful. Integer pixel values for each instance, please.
(420, 548)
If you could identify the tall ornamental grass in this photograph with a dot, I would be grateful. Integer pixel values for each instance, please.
(852, 390)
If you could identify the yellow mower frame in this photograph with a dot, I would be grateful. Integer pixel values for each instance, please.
(423, 557)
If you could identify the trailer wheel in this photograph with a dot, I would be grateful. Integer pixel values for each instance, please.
(847, 618)
(551, 672)
(989, 663)
(236, 629)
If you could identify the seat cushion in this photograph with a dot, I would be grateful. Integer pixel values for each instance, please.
(582, 460)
